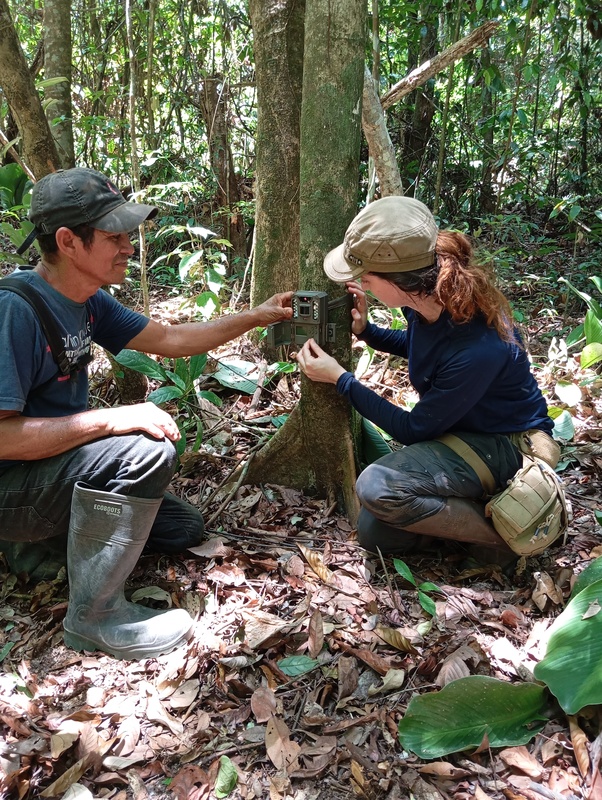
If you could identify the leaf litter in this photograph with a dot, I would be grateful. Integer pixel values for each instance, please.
(305, 655)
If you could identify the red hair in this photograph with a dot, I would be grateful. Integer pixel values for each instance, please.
(466, 288)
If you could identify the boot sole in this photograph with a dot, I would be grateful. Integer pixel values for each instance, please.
(77, 642)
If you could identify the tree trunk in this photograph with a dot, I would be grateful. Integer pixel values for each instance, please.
(379, 142)
(278, 44)
(38, 148)
(214, 108)
(318, 440)
(419, 131)
(57, 64)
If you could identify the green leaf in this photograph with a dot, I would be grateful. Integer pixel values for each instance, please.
(593, 571)
(592, 327)
(182, 384)
(208, 303)
(211, 396)
(427, 603)
(164, 394)
(374, 445)
(233, 374)
(564, 427)
(213, 279)
(187, 262)
(591, 354)
(227, 778)
(279, 421)
(573, 661)
(403, 569)
(140, 362)
(197, 365)
(574, 212)
(466, 711)
(427, 586)
(569, 393)
(297, 665)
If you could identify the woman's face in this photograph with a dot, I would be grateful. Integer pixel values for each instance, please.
(385, 291)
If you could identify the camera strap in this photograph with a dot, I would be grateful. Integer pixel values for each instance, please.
(48, 322)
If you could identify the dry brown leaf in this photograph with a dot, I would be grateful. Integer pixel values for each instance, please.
(263, 703)
(127, 735)
(452, 669)
(156, 712)
(551, 749)
(479, 794)
(521, 759)
(186, 779)
(212, 548)
(392, 681)
(260, 625)
(315, 632)
(67, 779)
(348, 676)
(228, 574)
(358, 780)
(395, 639)
(314, 559)
(545, 589)
(59, 742)
(579, 740)
(185, 694)
(442, 769)
(282, 751)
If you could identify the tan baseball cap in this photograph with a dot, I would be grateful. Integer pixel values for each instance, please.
(394, 234)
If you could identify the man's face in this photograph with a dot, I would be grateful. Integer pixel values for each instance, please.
(105, 260)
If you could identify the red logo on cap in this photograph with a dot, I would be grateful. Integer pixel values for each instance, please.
(112, 188)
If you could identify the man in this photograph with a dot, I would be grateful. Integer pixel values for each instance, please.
(96, 476)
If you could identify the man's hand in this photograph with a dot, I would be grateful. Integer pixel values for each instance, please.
(318, 365)
(276, 309)
(359, 312)
(145, 417)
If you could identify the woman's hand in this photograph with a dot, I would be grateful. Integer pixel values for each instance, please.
(318, 365)
(359, 312)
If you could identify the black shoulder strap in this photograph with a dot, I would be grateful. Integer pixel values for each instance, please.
(47, 320)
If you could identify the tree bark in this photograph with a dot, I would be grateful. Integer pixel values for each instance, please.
(213, 108)
(57, 64)
(38, 148)
(318, 439)
(379, 142)
(278, 45)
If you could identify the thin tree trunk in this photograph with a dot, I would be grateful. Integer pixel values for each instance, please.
(214, 108)
(57, 64)
(278, 45)
(38, 148)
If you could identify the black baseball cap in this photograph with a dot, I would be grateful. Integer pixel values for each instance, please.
(78, 196)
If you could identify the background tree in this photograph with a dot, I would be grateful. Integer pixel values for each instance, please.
(57, 72)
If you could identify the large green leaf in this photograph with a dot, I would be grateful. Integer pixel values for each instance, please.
(591, 354)
(227, 778)
(591, 574)
(572, 667)
(140, 362)
(592, 327)
(466, 711)
(197, 365)
(564, 427)
(234, 372)
(164, 394)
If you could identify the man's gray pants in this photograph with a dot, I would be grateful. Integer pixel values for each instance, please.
(35, 496)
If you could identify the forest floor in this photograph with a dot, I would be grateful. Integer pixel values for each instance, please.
(281, 575)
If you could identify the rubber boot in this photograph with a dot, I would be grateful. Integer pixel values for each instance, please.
(107, 532)
(463, 521)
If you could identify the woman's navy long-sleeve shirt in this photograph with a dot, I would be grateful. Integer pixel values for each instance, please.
(467, 377)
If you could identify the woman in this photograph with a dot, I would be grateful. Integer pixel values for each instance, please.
(466, 362)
